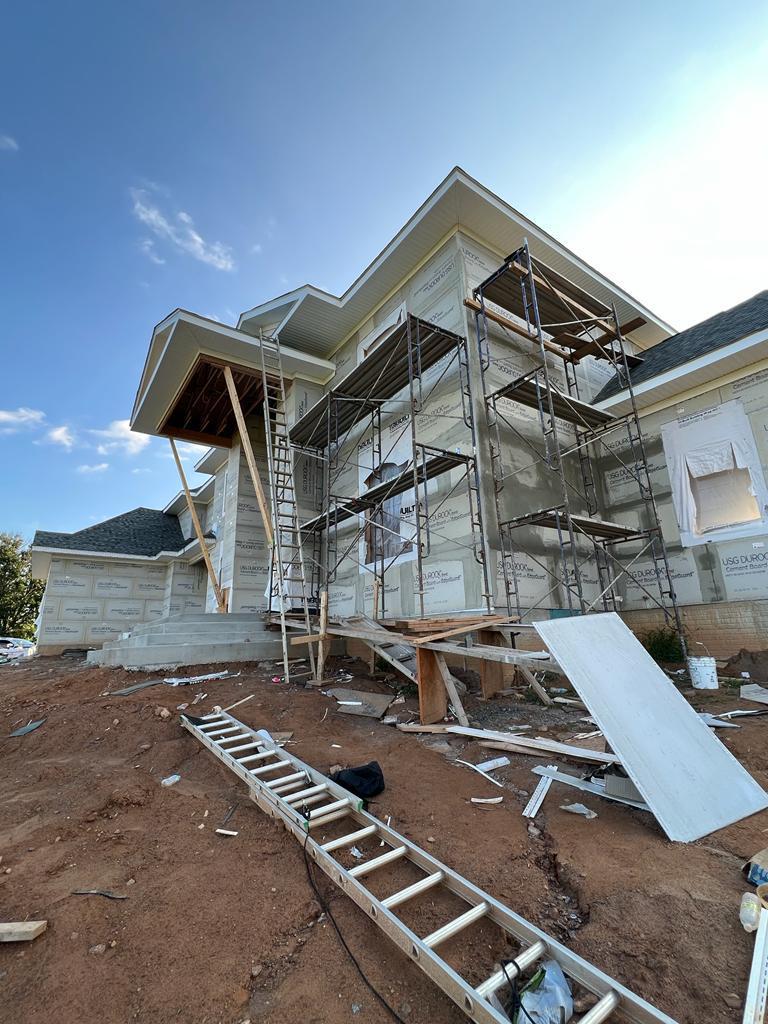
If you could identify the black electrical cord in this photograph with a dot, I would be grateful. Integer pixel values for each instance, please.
(513, 984)
(327, 910)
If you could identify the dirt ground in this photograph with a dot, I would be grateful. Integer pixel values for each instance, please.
(222, 930)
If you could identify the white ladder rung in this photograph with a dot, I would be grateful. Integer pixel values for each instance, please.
(279, 790)
(350, 839)
(298, 797)
(328, 818)
(269, 768)
(286, 778)
(457, 925)
(254, 757)
(245, 746)
(335, 806)
(215, 720)
(602, 1010)
(234, 739)
(525, 959)
(222, 731)
(413, 890)
(378, 862)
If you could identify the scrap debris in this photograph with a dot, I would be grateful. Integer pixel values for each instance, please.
(98, 892)
(25, 729)
(581, 809)
(21, 931)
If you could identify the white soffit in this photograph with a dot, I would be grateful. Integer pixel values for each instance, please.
(176, 345)
(317, 321)
(690, 781)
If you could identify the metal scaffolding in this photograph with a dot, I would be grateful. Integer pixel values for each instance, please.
(390, 379)
(563, 322)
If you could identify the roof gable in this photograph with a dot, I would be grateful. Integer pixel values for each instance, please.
(142, 532)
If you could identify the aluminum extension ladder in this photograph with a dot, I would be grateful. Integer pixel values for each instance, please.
(305, 800)
(287, 577)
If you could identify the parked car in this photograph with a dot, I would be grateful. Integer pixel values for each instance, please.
(12, 647)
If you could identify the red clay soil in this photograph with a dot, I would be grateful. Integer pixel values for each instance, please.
(223, 930)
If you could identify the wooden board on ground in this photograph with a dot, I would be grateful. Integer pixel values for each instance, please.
(433, 699)
(372, 705)
(688, 778)
(21, 931)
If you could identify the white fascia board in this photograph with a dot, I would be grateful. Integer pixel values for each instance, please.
(709, 360)
(458, 179)
(199, 497)
(212, 461)
(41, 557)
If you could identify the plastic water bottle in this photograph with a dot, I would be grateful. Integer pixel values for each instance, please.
(749, 912)
(173, 779)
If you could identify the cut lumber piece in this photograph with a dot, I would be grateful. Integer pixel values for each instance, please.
(531, 743)
(491, 672)
(688, 778)
(535, 685)
(433, 697)
(469, 627)
(520, 331)
(506, 655)
(450, 689)
(414, 727)
(21, 931)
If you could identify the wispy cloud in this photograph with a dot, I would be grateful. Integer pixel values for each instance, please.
(147, 246)
(140, 471)
(179, 231)
(8, 144)
(13, 420)
(100, 467)
(118, 437)
(62, 436)
(258, 248)
(186, 449)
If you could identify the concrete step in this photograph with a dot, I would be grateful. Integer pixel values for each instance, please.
(229, 636)
(199, 621)
(171, 655)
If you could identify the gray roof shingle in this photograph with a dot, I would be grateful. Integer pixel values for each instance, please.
(719, 330)
(143, 531)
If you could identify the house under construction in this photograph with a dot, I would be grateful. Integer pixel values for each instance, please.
(426, 446)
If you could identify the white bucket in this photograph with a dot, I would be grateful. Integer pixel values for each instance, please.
(703, 672)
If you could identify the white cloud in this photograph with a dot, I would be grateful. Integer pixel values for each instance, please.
(258, 248)
(147, 246)
(137, 472)
(12, 420)
(100, 467)
(180, 232)
(61, 435)
(118, 437)
(186, 450)
(8, 144)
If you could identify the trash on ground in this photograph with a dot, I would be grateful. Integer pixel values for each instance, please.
(360, 702)
(546, 998)
(496, 762)
(486, 799)
(750, 909)
(98, 892)
(237, 703)
(29, 727)
(714, 722)
(170, 780)
(226, 832)
(531, 809)
(756, 868)
(356, 853)
(754, 692)
(581, 809)
(187, 680)
(474, 767)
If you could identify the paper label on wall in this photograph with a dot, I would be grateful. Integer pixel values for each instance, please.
(535, 584)
(443, 586)
(77, 565)
(61, 632)
(111, 586)
(130, 611)
(153, 610)
(621, 482)
(80, 610)
(149, 588)
(64, 584)
(102, 631)
(250, 541)
(683, 574)
(341, 601)
(744, 565)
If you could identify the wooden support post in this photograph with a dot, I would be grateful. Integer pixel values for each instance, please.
(433, 698)
(322, 647)
(491, 672)
(450, 689)
(535, 685)
(220, 601)
(245, 441)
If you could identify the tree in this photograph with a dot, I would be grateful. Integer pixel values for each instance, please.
(20, 594)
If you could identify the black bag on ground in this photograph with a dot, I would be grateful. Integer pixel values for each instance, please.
(366, 781)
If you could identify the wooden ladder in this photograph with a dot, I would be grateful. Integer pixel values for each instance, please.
(305, 801)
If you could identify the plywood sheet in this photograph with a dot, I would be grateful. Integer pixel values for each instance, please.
(369, 705)
(692, 784)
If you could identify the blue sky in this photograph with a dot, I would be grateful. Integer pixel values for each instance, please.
(211, 156)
